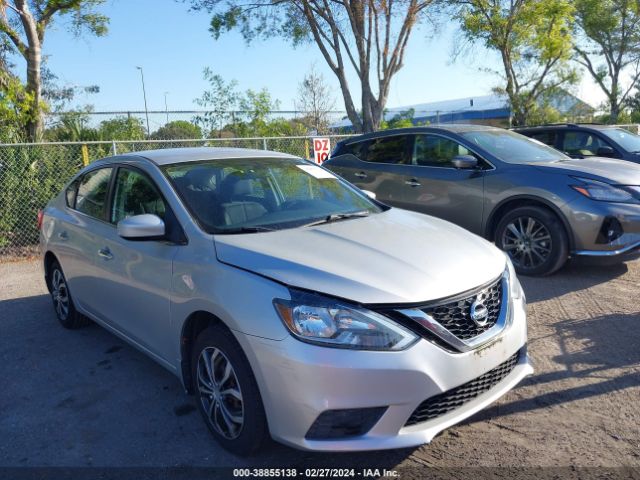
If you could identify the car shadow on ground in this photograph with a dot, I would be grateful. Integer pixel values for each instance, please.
(574, 276)
(601, 353)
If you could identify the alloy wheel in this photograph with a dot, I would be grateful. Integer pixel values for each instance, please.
(527, 241)
(60, 294)
(220, 392)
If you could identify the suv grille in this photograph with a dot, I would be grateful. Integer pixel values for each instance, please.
(456, 316)
(456, 397)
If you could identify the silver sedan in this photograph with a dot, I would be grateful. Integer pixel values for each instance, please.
(287, 301)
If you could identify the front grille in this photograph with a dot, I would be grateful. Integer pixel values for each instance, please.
(445, 402)
(456, 316)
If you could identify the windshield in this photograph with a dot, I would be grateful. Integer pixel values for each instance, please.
(248, 195)
(627, 140)
(512, 147)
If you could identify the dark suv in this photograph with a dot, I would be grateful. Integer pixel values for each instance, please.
(537, 204)
(587, 140)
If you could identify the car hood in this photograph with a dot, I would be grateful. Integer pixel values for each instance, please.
(614, 171)
(393, 257)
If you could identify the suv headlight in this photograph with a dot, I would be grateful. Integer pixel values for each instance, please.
(515, 289)
(331, 323)
(604, 192)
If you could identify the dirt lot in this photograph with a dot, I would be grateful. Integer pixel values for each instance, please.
(84, 398)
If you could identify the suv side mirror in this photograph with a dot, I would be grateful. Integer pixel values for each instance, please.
(141, 227)
(606, 152)
(465, 161)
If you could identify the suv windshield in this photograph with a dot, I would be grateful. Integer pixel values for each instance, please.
(512, 147)
(251, 195)
(627, 140)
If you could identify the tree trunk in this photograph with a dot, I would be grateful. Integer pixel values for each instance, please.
(34, 89)
(614, 103)
(33, 57)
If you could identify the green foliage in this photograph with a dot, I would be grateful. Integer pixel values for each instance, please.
(533, 39)
(219, 100)
(15, 108)
(22, 32)
(122, 128)
(401, 120)
(177, 130)
(72, 127)
(609, 46)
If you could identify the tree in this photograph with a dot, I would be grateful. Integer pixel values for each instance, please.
(315, 101)
(122, 128)
(533, 39)
(178, 130)
(402, 120)
(609, 32)
(24, 24)
(219, 100)
(369, 36)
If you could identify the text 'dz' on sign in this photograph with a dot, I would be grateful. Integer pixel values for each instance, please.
(321, 149)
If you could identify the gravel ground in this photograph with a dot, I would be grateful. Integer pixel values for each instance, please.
(84, 398)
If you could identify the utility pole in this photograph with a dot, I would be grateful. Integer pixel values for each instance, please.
(144, 94)
(166, 109)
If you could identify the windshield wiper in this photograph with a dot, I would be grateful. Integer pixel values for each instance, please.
(334, 217)
(255, 229)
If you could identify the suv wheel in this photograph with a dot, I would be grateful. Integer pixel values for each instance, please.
(66, 312)
(535, 240)
(228, 395)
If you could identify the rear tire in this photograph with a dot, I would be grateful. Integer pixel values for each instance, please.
(227, 393)
(535, 239)
(66, 311)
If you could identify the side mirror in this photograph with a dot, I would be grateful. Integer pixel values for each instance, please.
(369, 194)
(606, 152)
(465, 161)
(141, 227)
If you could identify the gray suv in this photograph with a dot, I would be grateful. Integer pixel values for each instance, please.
(537, 204)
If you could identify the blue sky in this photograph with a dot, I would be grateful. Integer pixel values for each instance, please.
(173, 45)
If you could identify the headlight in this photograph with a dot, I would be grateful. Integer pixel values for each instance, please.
(515, 289)
(604, 192)
(324, 321)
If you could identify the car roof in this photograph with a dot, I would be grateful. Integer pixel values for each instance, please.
(560, 126)
(453, 128)
(168, 156)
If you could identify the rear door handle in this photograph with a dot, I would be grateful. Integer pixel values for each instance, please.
(413, 182)
(63, 236)
(361, 175)
(105, 253)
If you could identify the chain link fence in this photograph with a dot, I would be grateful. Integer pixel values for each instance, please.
(31, 174)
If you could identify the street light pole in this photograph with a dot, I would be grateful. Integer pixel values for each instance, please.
(166, 110)
(144, 94)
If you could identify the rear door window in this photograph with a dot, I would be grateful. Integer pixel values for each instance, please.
(357, 149)
(92, 193)
(548, 137)
(389, 150)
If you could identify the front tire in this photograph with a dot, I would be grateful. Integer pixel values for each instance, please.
(227, 393)
(535, 240)
(66, 311)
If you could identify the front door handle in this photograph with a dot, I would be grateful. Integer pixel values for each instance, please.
(361, 175)
(105, 253)
(412, 183)
(63, 236)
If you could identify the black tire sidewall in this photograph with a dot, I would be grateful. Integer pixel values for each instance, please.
(559, 239)
(254, 428)
(73, 319)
